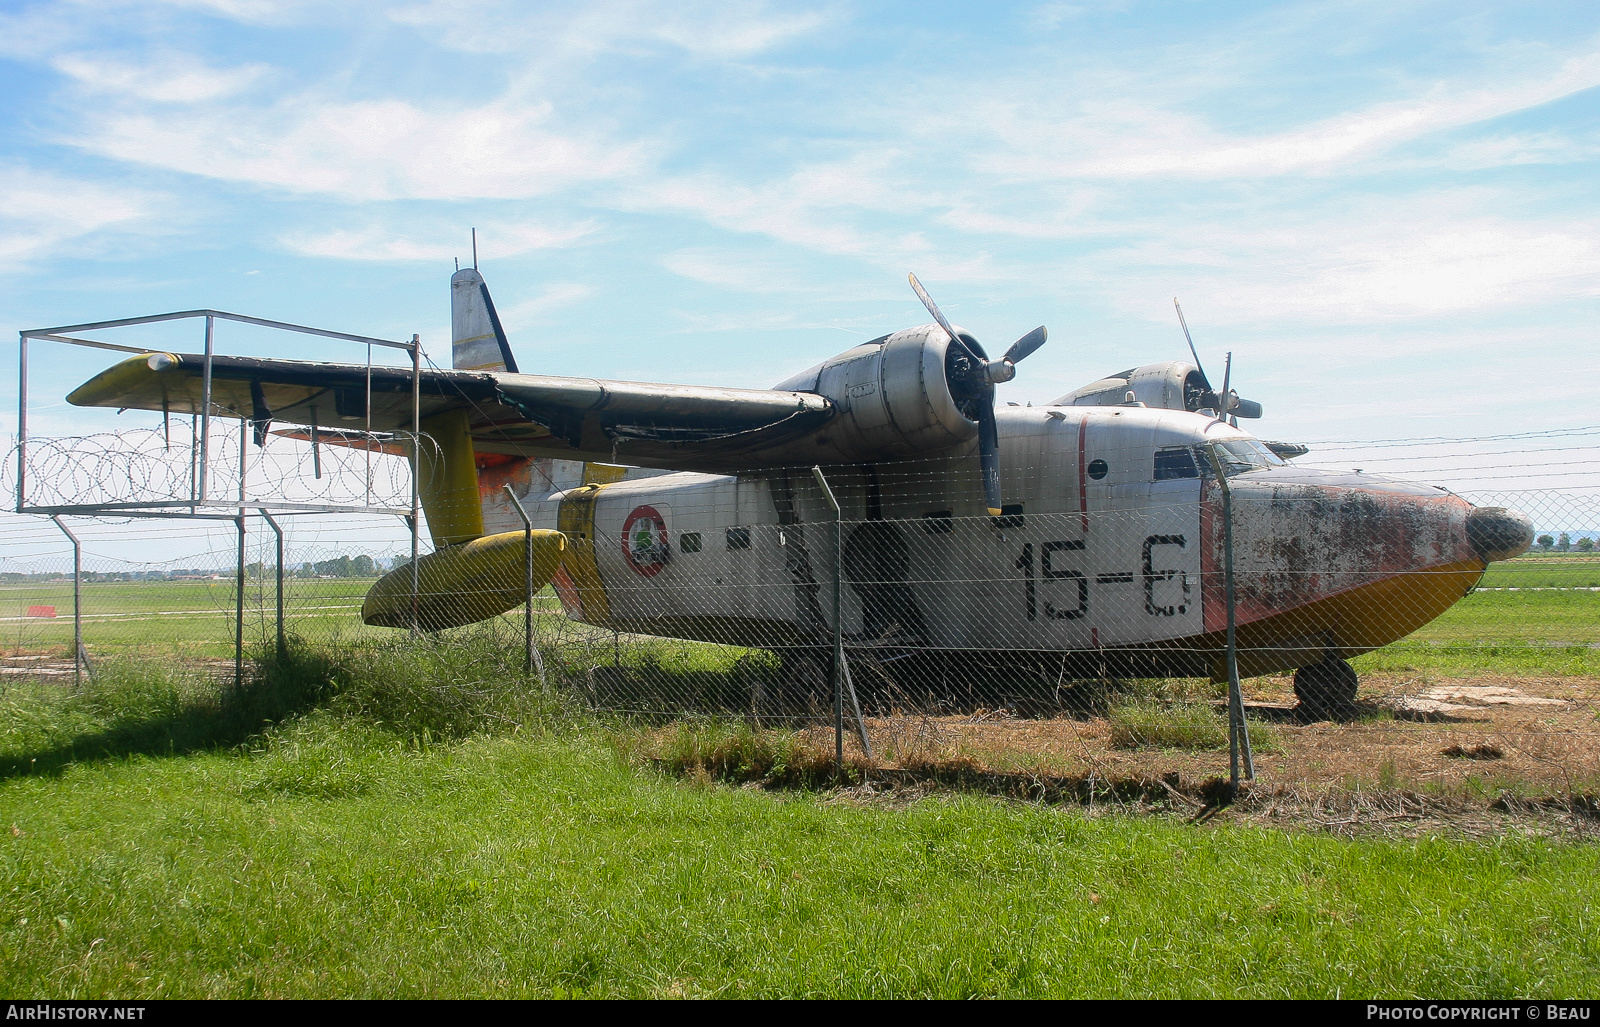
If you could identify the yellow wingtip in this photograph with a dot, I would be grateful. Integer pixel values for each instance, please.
(115, 382)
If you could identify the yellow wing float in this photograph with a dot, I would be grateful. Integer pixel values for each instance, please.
(465, 583)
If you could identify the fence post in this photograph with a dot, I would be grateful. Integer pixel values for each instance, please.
(278, 530)
(238, 610)
(1238, 732)
(416, 495)
(205, 412)
(841, 671)
(534, 659)
(22, 421)
(80, 657)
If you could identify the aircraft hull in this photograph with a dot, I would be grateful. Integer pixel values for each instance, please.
(1101, 571)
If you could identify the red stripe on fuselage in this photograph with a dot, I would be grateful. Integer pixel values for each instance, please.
(1083, 483)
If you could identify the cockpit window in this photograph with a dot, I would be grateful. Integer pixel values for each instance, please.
(1175, 463)
(1240, 456)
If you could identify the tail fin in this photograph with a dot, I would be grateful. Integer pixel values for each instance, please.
(479, 341)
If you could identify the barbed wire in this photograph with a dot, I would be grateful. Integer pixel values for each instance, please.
(139, 466)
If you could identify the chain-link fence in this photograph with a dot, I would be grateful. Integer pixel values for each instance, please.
(1384, 633)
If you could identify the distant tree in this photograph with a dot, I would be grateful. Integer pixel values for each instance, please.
(1545, 542)
(1564, 543)
(255, 570)
(1586, 545)
(363, 567)
(339, 567)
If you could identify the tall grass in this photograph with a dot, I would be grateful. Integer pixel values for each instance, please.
(1143, 723)
(423, 690)
(712, 750)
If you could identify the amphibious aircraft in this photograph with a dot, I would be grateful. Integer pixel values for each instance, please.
(1088, 529)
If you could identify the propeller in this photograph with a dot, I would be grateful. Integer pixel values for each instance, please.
(973, 376)
(1237, 407)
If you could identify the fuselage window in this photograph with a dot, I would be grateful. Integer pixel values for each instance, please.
(1175, 463)
(937, 522)
(689, 542)
(738, 538)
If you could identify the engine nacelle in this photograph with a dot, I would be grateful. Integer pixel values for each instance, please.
(1170, 385)
(894, 395)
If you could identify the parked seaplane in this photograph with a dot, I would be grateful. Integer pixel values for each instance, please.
(1088, 530)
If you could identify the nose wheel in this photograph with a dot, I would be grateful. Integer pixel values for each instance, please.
(1326, 690)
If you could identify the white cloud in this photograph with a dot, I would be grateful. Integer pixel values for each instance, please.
(1370, 263)
(718, 29)
(248, 11)
(1126, 138)
(367, 150)
(845, 208)
(1510, 150)
(533, 311)
(740, 269)
(170, 78)
(435, 241)
(1051, 16)
(40, 212)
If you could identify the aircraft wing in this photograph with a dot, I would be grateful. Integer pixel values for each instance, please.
(673, 426)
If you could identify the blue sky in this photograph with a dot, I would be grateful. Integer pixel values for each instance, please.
(1388, 211)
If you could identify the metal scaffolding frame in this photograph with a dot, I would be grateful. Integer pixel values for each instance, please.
(200, 504)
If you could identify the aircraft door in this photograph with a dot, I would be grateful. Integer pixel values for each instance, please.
(877, 564)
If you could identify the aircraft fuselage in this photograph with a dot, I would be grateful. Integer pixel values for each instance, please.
(1111, 543)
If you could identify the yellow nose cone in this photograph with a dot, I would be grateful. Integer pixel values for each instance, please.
(464, 584)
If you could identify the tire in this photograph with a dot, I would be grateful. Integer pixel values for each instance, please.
(1326, 690)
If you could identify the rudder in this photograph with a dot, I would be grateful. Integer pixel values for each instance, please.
(478, 342)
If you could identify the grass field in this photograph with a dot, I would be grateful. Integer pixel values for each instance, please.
(1549, 624)
(197, 615)
(1545, 570)
(400, 828)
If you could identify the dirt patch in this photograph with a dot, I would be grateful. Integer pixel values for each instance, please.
(1545, 730)
(37, 666)
(1397, 814)
(56, 666)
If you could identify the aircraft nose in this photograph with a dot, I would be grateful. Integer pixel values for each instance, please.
(1497, 533)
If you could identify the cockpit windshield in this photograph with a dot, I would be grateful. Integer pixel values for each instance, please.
(1240, 456)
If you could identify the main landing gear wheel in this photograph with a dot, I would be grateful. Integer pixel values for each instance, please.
(1326, 690)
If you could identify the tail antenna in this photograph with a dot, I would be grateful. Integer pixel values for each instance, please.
(474, 249)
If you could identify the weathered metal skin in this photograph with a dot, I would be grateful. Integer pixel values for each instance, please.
(1499, 534)
(1109, 571)
(1300, 535)
(1326, 562)
(893, 397)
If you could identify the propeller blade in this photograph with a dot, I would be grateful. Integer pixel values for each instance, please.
(989, 458)
(991, 372)
(1025, 345)
(1227, 373)
(1192, 351)
(933, 308)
